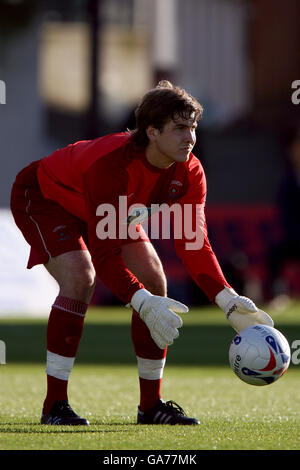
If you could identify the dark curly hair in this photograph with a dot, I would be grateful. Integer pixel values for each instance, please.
(161, 104)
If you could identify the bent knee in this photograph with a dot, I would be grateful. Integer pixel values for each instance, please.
(75, 275)
(80, 285)
(85, 278)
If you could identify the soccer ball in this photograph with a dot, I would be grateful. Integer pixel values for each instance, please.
(259, 355)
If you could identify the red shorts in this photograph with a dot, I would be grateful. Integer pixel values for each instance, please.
(47, 227)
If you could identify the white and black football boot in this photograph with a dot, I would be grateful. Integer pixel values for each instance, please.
(165, 413)
(61, 414)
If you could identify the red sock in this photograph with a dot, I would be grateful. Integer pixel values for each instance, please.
(65, 326)
(149, 393)
(56, 390)
(147, 352)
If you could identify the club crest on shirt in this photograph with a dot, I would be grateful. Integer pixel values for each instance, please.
(175, 189)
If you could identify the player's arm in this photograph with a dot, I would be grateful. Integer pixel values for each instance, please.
(104, 183)
(203, 266)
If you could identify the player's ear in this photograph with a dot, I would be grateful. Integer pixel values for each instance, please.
(152, 133)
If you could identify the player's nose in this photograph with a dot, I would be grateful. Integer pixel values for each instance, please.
(189, 136)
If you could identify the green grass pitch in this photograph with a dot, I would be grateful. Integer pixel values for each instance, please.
(104, 388)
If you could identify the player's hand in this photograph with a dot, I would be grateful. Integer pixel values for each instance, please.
(240, 311)
(160, 315)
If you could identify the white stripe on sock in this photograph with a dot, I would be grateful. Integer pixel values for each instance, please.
(150, 369)
(59, 366)
(67, 310)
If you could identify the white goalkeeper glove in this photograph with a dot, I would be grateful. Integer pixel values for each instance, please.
(240, 311)
(159, 315)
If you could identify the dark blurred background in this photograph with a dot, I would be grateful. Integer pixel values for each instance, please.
(75, 69)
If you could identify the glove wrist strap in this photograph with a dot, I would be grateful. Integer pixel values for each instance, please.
(138, 299)
(223, 298)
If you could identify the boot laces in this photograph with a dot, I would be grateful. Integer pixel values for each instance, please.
(65, 409)
(174, 407)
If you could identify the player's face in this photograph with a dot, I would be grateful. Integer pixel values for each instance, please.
(173, 143)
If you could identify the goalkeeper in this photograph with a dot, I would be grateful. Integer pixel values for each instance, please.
(57, 202)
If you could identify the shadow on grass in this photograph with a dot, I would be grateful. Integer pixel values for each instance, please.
(111, 344)
(32, 429)
(36, 428)
(12, 427)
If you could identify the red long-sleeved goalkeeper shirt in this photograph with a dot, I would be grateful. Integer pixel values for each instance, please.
(86, 174)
